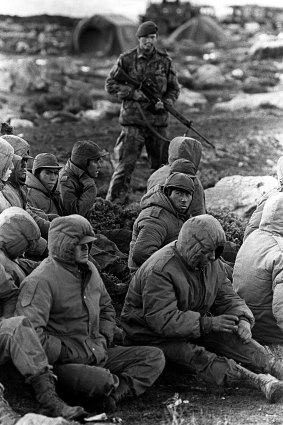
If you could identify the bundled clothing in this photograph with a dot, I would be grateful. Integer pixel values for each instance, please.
(78, 190)
(72, 314)
(258, 273)
(18, 341)
(191, 150)
(255, 219)
(135, 113)
(157, 224)
(39, 197)
(170, 304)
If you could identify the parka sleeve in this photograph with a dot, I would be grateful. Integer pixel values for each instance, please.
(227, 301)
(113, 86)
(161, 311)
(277, 287)
(8, 293)
(107, 315)
(151, 237)
(34, 302)
(74, 204)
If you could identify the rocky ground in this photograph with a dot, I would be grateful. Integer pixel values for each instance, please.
(53, 99)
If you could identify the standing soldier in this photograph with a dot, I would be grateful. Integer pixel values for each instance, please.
(142, 123)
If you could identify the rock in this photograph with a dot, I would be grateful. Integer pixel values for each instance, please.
(27, 76)
(62, 116)
(18, 122)
(239, 193)
(34, 419)
(267, 46)
(111, 109)
(91, 115)
(252, 101)
(192, 98)
(209, 76)
(185, 78)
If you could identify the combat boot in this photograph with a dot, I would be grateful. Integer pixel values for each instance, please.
(268, 384)
(52, 405)
(121, 393)
(276, 368)
(7, 414)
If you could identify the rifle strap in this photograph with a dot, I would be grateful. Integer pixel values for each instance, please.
(149, 126)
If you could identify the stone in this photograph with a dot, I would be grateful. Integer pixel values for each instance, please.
(251, 102)
(239, 193)
(18, 122)
(192, 98)
(35, 419)
(209, 75)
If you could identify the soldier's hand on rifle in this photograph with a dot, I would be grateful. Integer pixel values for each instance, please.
(159, 106)
(138, 95)
(124, 92)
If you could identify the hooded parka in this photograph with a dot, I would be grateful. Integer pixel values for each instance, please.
(191, 150)
(168, 296)
(258, 273)
(157, 224)
(17, 232)
(66, 304)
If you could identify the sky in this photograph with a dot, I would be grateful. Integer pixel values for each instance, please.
(83, 8)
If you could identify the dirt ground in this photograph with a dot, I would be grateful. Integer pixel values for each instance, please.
(247, 143)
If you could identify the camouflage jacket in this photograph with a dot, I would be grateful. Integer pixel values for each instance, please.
(158, 67)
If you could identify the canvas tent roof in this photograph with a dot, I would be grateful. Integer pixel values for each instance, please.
(104, 35)
(201, 29)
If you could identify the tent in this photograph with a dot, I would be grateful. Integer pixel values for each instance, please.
(104, 35)
(201, 29)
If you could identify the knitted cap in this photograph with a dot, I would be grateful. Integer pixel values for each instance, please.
(45, 160)
(147, 28)
(6, 156)
(85, 150)
(180, 181)
(21, 146)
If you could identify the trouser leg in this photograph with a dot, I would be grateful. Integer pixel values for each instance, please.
(140, 366)
(252, 355)
(156, 148)
(129, 145)
(197, 360)
(85, 380)
(19, 343)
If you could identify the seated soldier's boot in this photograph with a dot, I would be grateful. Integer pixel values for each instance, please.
(7, 414)
(51, 403)
(270, 386)
(121, 393)
(276, 368)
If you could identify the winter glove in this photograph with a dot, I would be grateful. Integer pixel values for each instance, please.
(159, 106)
(223, 323)
(138, 95)
(244, 331)
(125, 92)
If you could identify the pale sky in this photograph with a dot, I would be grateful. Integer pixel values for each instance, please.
(82, 8)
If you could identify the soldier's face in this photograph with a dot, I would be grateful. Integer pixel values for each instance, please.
(148, 43)
(180, 200)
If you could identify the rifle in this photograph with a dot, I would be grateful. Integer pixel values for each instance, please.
(147, 87)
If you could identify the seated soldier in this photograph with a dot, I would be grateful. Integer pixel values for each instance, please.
(18, 340)
(164, 210)
(77, 179)
(189, 149)
(181, 301)
(71, 311)
(258, 273)
(14, 190)
(42, 184)
(255, 219)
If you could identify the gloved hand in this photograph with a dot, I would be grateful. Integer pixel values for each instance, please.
(125, 92)
(244, 331)
(138, 95)
(224, 323)
(159, 106)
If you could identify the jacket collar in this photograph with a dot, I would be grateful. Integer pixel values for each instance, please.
(76, 170)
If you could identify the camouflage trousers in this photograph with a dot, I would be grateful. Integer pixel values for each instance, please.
(20, 344)
(128, 147)
(213, 357)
